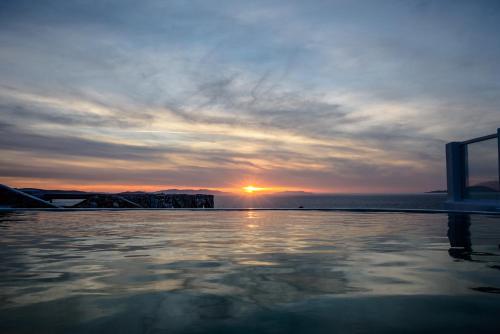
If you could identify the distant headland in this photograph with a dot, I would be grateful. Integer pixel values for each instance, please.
(440, 191)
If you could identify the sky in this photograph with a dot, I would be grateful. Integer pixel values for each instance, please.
(323, 96)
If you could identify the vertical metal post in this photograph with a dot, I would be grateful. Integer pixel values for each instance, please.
(454, 171)
(498, 158)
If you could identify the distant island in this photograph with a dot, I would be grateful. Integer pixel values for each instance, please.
(441, 191)
(192, 191)
(181, 191)
(292, 193)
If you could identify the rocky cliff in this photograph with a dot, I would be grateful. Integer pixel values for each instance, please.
(147, 200)
(37, 198)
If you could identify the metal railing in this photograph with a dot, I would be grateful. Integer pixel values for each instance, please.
(473, 170)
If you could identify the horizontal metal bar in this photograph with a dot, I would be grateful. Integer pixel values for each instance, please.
(478, 139)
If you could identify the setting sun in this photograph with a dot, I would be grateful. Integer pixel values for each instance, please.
(252, 189)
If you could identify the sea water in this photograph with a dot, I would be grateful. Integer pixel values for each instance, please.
(248, 272)
(396, 201)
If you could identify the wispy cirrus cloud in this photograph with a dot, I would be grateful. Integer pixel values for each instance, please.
(327, 96)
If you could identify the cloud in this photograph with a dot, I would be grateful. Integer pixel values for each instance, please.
(12, 138)
(317, 95)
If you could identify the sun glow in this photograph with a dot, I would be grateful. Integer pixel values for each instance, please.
(251, 189)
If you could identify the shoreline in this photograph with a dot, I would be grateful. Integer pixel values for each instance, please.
(361, 210)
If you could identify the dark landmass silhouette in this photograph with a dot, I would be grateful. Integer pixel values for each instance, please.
(487, 186)
(40, 198)
(192, 191)
(291, 193)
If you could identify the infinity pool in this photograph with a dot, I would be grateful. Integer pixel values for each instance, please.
(248, 272)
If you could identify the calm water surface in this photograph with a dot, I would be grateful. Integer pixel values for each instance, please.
(248, 272)
(399, 201)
